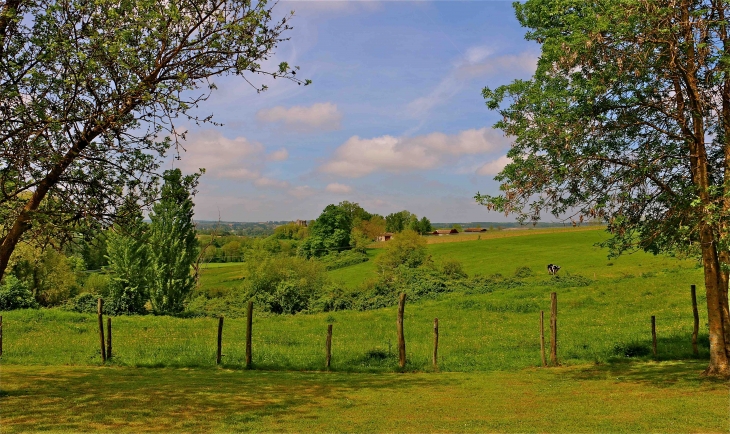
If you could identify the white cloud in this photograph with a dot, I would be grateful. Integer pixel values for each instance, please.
(236, 159)
(319, 116)
(358, 157)
(478, 62)
(219, 155)
(280, 155)
(301, 191)
(495, 166)
(338, 188)
(270, 182)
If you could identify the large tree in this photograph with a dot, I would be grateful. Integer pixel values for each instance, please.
(627, 118)
(90, 94)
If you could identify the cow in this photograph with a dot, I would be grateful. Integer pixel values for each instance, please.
(553, 269)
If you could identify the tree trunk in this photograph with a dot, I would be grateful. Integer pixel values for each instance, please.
(719, 361)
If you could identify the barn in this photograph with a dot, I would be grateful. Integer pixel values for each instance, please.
(441, 232)
(385, 237)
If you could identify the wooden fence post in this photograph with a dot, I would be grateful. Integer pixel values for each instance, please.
(542, 338)
(108, 338)
(696, 329)
(328, 355)
(554, 329)
(220, 341)
(99, 311)
(653, 334)
(435, 343)
(249, 323)
(401, 336)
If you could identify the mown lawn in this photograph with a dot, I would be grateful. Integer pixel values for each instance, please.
(662, 397)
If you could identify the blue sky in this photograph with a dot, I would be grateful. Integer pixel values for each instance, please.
(394, 118)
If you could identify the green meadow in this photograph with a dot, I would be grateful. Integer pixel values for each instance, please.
(488, 376)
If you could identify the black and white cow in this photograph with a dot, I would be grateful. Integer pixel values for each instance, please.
(553, 269)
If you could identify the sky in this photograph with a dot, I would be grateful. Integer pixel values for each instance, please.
(393, 120)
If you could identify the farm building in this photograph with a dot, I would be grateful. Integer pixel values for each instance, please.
(385, 237)
(444, 232)
(475, 230)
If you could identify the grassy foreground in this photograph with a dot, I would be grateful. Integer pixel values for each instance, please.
(662, 397)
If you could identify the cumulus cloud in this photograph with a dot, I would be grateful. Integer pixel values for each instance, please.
(338, 188)
(220, 156)
(317, 117)
(477, 62)
(358, 157)
(494, 167)
(236, 159)
(270, 182)
(280, 155)
(301, 191)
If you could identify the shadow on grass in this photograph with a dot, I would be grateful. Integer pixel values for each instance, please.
(83, 399)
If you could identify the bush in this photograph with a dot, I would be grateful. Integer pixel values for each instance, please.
(82, 303)
(523, 272)
(453, 268)
(14, 294)
(97, 283)
(406, 248)
(336, 260)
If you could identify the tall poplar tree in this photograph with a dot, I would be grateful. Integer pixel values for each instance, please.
(627, 119)
(128, 256)
(172, 244)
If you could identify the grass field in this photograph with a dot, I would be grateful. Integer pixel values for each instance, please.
(662, 397)
(489, 378)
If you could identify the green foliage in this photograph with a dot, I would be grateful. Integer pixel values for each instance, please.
(173, 247)
(15, 295)
(283, 284)
(97, 283)
(407, 248)
(129, 263)
(85, 303)
(49, 275)
(291, 231)
(523, 272)
(397, 221)
(359, 240)
(330, 232)
(336, 260)
(453, 268)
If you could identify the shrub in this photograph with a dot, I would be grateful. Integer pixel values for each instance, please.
(406, 248)
(453, 268)
(522, 272)
(83, 303)
(97, 283)
(14, 294)
(336, 260)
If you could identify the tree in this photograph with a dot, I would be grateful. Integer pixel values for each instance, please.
(373, 227)
(90, 96)
(407, 249)
(425, 226)
(173, 247)
(329, 233)
(128, 255)
(627, 118)
(397, 221)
